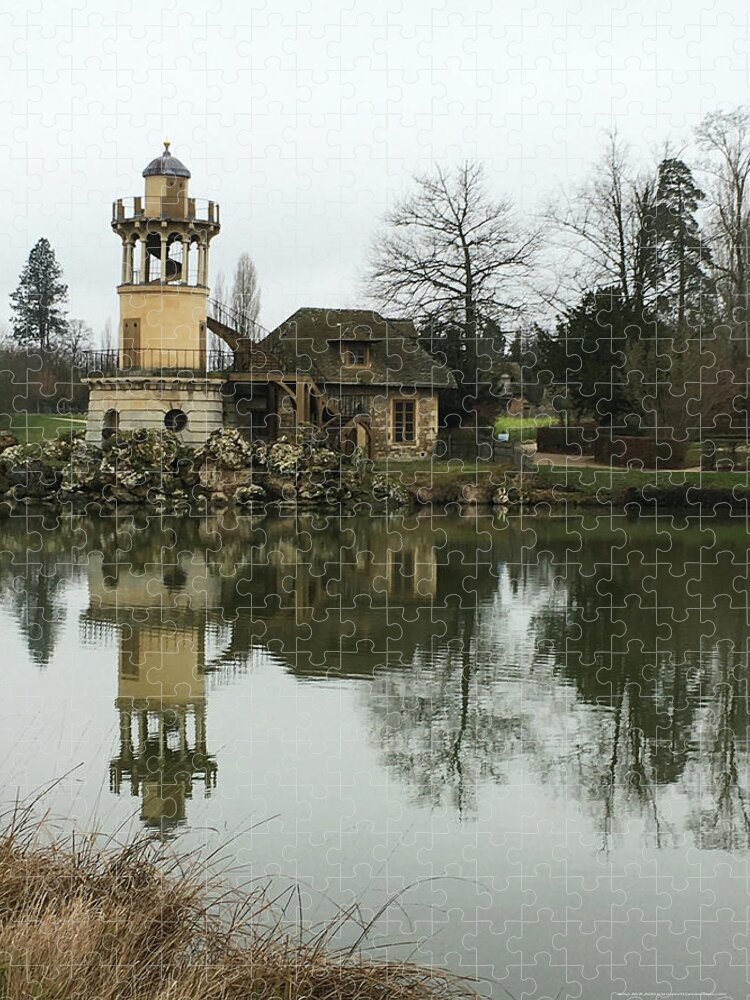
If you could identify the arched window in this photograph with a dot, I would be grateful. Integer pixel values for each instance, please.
(176, 420)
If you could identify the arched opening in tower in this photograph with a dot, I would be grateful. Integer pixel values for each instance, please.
(177, 259)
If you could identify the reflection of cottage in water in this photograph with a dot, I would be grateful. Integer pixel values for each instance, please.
(158, 616)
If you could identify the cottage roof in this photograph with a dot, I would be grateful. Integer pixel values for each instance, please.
(396, 357)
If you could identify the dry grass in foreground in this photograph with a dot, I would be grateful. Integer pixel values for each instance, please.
(82, 923)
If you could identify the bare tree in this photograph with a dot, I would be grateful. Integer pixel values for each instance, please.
(453, 255)
(219, 306)
(245, 296)
(107, 337)
(219, 290)
(76, 338)
(725, 136)
(605, 226)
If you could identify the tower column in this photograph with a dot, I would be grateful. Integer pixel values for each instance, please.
(200, 728)
(126, 734)
(185, 276)
(144, 262)
(164, 260)
(201, 263)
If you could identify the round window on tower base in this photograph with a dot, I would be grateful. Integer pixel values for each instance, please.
(176, 420)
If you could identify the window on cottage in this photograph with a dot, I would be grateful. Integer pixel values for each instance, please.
(403, 420)
(355, 355)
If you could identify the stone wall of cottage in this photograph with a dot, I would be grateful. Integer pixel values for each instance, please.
(382, 429)
(376, 403)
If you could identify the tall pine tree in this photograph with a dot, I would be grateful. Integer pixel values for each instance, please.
(37, 304)
(685, 292)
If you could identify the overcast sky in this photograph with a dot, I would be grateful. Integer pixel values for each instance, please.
(305, 120)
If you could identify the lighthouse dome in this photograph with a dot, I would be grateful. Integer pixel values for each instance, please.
(166, 165)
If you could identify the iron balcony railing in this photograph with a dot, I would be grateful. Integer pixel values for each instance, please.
(152, 361)
(192, 209)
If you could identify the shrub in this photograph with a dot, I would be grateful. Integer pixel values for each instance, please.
(560, 440)
(645, 452)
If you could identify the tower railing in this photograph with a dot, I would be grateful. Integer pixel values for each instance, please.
(190, 209)
(156, 361)
(154, 277)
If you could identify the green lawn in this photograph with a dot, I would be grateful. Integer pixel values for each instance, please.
(590, 479)
(522, 428)
(29, 427)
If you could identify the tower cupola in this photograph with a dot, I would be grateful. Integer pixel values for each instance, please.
(166, 165)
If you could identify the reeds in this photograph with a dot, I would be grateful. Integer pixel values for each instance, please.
(84, 922)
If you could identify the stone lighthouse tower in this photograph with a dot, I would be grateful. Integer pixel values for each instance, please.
(161, 376)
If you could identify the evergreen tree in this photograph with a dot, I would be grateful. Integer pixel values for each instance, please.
(37, 303)
(684, 288)
(587, 353)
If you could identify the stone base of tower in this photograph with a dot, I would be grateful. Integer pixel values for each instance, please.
(192, 408)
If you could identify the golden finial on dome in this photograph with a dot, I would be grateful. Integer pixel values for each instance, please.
(167, 144)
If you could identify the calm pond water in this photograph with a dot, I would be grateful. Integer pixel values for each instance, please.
(536, 728)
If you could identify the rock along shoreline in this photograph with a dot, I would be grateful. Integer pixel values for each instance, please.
(158, 474)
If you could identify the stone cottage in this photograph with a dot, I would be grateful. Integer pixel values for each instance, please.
(373, 382)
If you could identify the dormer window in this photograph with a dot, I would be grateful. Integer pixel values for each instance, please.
(355, 354)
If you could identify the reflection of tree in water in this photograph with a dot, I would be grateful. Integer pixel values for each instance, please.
(724, 822)
(448, 724)
(440, 731)
(638, 638)
(37, 566)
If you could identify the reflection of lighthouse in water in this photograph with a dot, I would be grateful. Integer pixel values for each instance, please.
(159, 617)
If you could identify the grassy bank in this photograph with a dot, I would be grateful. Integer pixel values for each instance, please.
(589, 479)
(440, 482)
(32, 427)
(80, 923)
